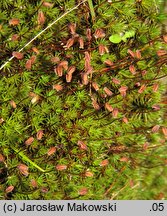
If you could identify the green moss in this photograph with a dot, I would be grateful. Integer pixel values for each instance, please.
(73, 129)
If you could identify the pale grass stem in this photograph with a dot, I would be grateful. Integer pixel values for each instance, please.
(49, 26)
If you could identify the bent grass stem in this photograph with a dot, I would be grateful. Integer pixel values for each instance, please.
(25, 158)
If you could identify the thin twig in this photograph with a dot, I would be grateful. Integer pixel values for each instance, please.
(116, 194)
(115, 180)
(49, 26)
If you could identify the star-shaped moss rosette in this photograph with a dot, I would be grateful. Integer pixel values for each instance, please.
(82, 114)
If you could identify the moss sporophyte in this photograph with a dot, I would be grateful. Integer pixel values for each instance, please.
(83, 102)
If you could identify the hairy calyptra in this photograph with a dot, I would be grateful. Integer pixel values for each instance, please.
(14, 21)
(23, 169)
(29, 141)
(108, 107)
(41, 18)
(108, 91)
(61, 167)
(18, 55)
(51, 151)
